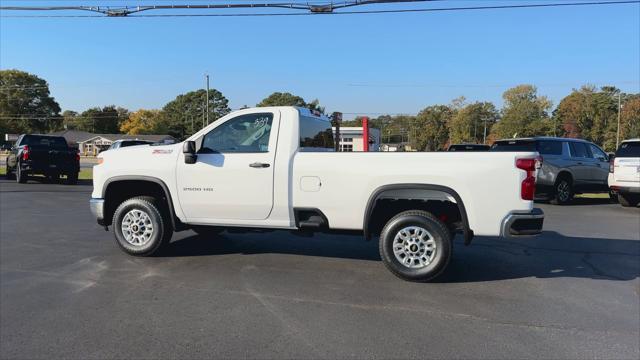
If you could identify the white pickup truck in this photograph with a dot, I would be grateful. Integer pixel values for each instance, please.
(273, 168)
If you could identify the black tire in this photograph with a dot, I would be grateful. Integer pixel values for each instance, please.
(562, 191)
(21, 176)
(628, 200)
(52, 178)
(613, 196)
(161, 226)
(9, 174)
(72, 179)
(207, 231)
(440, 236)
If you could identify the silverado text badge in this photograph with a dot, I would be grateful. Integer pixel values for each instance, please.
(162, 151)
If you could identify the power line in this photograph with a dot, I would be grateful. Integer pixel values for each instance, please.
(442, 9)
(373, 85)
(126, 10)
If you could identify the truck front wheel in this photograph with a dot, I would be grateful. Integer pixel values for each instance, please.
(140, 227)
(415, 245)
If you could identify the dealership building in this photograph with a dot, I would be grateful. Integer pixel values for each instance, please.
(351, 139)
(90, 144)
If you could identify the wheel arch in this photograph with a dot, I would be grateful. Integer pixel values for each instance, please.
(119, 188)
(565, 174)
(407, 190)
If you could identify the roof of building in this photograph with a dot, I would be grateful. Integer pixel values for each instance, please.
(115, 137)
(75, 136)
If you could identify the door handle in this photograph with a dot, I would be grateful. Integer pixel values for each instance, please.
(579, 162)
(259, 165)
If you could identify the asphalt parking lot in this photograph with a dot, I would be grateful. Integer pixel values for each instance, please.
(67, 291)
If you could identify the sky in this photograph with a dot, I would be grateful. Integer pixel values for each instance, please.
(364, 64)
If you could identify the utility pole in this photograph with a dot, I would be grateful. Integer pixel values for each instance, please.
(619, 113)
(484, 137)
(207, 76)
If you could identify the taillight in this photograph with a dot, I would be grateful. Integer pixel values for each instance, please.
(612, 163)
(78, 156)
(25, 153)
(528, 186)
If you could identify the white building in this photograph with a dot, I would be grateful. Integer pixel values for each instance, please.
(90, 144)
(351, 138)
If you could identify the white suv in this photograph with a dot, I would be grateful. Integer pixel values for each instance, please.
(624, 173)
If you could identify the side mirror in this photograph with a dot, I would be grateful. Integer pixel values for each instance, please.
(611, 156)
(189, 151)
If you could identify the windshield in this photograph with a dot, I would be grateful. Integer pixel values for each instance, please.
(46, 141)
(629, 149)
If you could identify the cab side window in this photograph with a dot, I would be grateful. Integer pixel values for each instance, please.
(244, 134)
(579, 150)
(598, 154)
(548, 147)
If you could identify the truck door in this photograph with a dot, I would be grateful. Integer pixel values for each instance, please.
(581, 163)
(233, 175)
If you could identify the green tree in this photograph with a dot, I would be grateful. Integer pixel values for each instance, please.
(468, 123)
(282, 99)
(144, 122)
(629, 123)
(105, 120)
(429, 132)
(26, 104)
(591, 114)
(524, 114)
(190, 108)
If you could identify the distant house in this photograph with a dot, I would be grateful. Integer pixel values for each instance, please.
(91, 144)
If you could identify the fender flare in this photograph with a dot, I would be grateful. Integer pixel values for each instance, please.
(175, 222)
(467, 232)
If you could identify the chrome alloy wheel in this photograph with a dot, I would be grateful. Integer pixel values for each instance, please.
(137, 227)
(414, 247)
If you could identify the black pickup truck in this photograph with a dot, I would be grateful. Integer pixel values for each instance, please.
(43, 155)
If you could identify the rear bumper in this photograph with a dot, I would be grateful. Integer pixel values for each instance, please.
(523, 223)
(97, 209)
(47, 168)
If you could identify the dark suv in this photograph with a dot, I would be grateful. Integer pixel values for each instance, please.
(569, 166)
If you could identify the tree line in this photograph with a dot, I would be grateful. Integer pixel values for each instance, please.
(26, 106)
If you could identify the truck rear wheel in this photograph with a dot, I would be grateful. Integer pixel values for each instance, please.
(140, 227)
(415, 245)
(9, 174)
(72, 178)
(628, 200)
(21, 176)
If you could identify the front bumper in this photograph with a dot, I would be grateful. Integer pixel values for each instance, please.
(97, 209)
(523, 223)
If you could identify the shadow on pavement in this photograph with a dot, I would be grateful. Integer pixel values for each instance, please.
(581, 201)
(487, 259)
